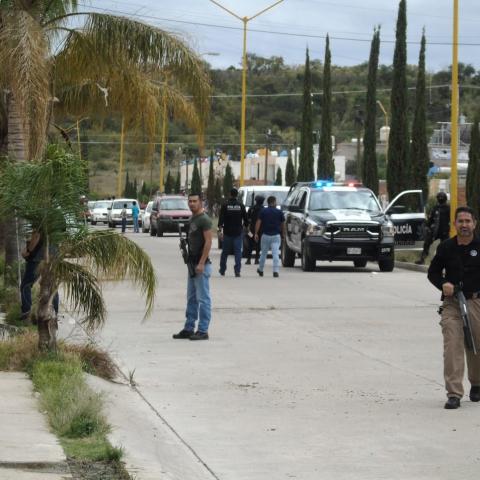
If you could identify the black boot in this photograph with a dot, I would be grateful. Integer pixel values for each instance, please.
(248, 262)
(452, 403)
(421, 260)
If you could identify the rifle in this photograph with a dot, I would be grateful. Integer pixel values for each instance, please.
(185, 254)
(467, 329)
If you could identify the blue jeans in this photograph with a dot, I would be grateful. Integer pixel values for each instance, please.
(135, 225)
(229, 243)
(270, 242)
(29, 278)
(199, 303)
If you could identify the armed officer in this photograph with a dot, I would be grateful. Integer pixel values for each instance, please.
(456, 265)
(233, 217)
(437, 226)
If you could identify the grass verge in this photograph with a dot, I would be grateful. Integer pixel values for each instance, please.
(74, 411)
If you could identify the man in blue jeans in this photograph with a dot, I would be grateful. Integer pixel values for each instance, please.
(233, 216)
(272, 222)
(199, 303)
(135, 214)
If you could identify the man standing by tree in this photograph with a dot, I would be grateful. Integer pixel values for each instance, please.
(199, 303)
(233, 217)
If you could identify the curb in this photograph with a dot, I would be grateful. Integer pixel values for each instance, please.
(412, 266)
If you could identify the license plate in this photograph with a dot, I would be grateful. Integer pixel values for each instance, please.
(354, 251)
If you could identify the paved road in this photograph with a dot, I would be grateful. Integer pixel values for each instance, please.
(331, 374)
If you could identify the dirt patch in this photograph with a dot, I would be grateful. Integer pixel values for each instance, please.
(83, 470)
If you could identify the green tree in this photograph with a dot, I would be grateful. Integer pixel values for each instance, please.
(227, 180)
(218, 191)
(196, 184)
(419, 157)
(211, 184)
(96, 51)
(127, 189)
(398, 170)
(289, 171)
(134, 188)
(473, 172)
(169, 183)
(326, 166)
(369, 168)
(45, 194)
(305, 163)
(178, 182)
(279, 178)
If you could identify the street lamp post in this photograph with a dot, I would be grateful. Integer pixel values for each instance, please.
(454, 123)
(382, 108)
(245, 21)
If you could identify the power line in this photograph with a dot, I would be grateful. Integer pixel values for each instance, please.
(270, 32)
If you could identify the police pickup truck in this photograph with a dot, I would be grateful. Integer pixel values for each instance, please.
(327, 221)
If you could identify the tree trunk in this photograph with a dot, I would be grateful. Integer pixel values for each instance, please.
(16, 141)
(46, 322)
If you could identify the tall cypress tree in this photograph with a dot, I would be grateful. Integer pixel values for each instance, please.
(419, 157)
(211, 184)
(218, 191)
(168, 183)
(473, 172)
(227, 180)
(279, 178)
(326, 166)
(177, 187)
(369, 168)
(196, 185)
(126, 190)
(289, 171)
(305, 163)
(398, 170)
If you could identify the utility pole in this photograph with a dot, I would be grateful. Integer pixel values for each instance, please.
(454, 123)
(245, 21)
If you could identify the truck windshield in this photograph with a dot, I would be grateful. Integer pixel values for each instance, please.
(348, 200)
(174, 204)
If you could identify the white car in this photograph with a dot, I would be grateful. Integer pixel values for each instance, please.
(100, 212)
(146, 217)
(115, 210)
(247, 194)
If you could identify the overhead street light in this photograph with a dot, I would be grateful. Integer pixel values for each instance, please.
(245, 21)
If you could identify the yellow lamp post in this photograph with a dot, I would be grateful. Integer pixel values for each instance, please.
(382, 108)
(454, 123)
(245, 21)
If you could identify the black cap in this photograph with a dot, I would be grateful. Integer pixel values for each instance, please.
(441, 197)
(234, 192)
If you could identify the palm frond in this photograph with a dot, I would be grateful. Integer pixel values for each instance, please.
(111, 254)
(81, 290)
(24, 59)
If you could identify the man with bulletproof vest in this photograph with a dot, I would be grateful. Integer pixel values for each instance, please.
(233, 216)
(437, 226)
(456, 266)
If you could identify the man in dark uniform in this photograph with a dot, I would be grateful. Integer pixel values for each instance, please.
(233, 217)
(437, 226)
(457, 265)
(253, 214)
(199, 303)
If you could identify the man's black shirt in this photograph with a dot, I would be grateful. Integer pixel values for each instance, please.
(439, 221)
(232, 216)
(457, 264)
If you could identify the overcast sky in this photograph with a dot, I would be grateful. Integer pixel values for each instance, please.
(352, 20)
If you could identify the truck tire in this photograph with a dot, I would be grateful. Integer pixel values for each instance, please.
(159, 232)
(93, 222)
(360, 263)
(308, 263)
(288, 256)
(386, 264)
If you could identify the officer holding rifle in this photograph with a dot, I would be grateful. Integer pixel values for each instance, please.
(454, 270)
(195, 253)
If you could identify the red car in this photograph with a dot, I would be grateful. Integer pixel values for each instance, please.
(168, 212)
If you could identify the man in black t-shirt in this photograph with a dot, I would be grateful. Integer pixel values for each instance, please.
(233, 217)
(457, 265)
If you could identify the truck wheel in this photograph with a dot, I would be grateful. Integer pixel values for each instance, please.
(360, 263)
(159, 232)
(288, 256)
(93, 222)
(308, 263)
(386, 265)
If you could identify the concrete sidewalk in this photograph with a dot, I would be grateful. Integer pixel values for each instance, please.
(28, 450)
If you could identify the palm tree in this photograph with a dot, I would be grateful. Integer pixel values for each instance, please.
(46, 195)
(105, 64)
